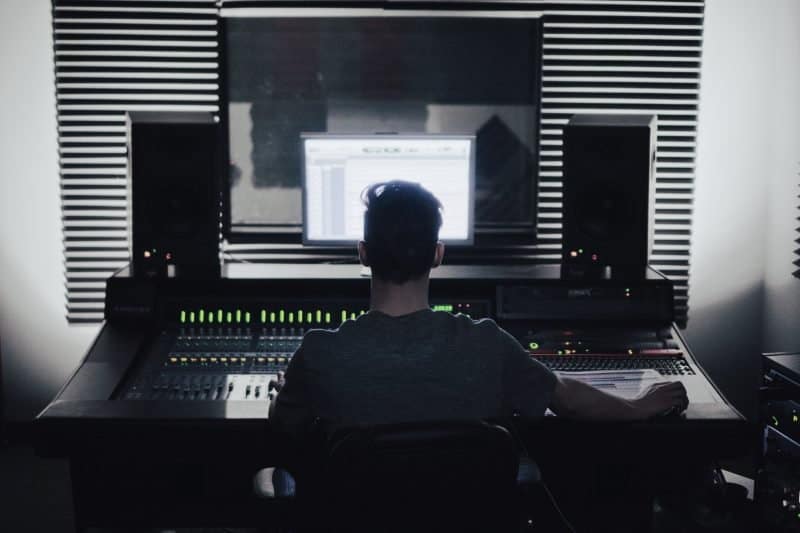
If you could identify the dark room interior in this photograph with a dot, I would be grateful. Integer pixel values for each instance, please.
(393, 265)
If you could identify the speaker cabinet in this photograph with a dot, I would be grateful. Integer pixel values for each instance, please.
(609, 191)
(174, 194)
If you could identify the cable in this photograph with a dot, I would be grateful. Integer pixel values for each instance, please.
(563, 518)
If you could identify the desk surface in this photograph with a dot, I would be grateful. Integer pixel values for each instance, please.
(352, 271)
(786, 364)
(85, 413)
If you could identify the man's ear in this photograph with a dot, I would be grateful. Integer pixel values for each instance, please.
(438, 254)
(362, 253)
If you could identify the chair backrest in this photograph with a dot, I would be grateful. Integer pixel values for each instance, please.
(442, 476)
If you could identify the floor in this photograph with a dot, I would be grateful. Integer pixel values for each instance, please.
(35, 497)
(34, 493)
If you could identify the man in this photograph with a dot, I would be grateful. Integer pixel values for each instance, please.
(402, 361)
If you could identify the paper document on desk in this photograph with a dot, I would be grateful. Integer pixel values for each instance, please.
(626, 384)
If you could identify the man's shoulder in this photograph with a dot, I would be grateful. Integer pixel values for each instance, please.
(484, 332)
(459, 324)
(480, 325)
(315, 340)
(481, 330)
(318, 337)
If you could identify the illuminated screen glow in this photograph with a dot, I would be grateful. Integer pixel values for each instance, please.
(339, 168)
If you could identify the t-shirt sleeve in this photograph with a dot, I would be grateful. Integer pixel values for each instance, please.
(528, 385)
(292, 411)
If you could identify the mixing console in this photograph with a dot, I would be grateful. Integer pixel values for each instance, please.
(577, 350)
(222, 363)
(617, 350)
(190, 365)
(230, 352)
(292, 314)
(208, 386)
(242, 363)
(201, 344)
(675, 365)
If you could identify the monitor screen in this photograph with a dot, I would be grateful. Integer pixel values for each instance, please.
(338, 168)
(354, 71)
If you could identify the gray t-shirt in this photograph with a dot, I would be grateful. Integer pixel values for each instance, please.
(422, 366)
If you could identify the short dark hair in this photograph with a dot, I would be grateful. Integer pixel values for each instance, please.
(401, 229)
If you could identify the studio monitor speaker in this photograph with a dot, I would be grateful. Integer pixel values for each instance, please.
(174, 194)
(609, 191)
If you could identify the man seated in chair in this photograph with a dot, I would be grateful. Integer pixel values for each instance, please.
(403, 362)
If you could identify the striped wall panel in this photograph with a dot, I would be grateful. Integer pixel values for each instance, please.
(627, 57)
(599, 57)
(796, 262)
(112, 57)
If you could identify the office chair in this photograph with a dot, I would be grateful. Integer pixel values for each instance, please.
(431, 476)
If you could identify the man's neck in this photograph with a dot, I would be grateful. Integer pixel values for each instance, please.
(399, 299)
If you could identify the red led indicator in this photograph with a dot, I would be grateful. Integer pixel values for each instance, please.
(594, 257)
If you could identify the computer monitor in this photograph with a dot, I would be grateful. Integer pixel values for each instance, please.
(338, 168)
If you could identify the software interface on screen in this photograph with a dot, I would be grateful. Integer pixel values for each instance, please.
(337, 170)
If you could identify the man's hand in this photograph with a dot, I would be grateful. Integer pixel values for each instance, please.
(575, 399)
(662, 398)
(274, 387)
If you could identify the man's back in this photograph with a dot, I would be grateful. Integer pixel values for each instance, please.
(425, 365)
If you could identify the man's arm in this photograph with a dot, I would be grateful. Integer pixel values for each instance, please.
(529, 387)
(278, 385)
(575, 399)
(290, 410)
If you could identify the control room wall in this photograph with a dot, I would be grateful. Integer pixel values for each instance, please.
(748, 153)
(781, 289)
(741, 291)
(39, 349)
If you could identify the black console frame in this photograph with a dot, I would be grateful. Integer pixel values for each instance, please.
(210, 443)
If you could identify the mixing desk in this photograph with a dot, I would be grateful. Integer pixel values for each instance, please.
(242, 363)
(230, 345)
(216, 363)
(609, 350)
(175, 389)
(195, 358)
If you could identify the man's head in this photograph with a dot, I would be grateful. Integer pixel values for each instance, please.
(401, 231)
